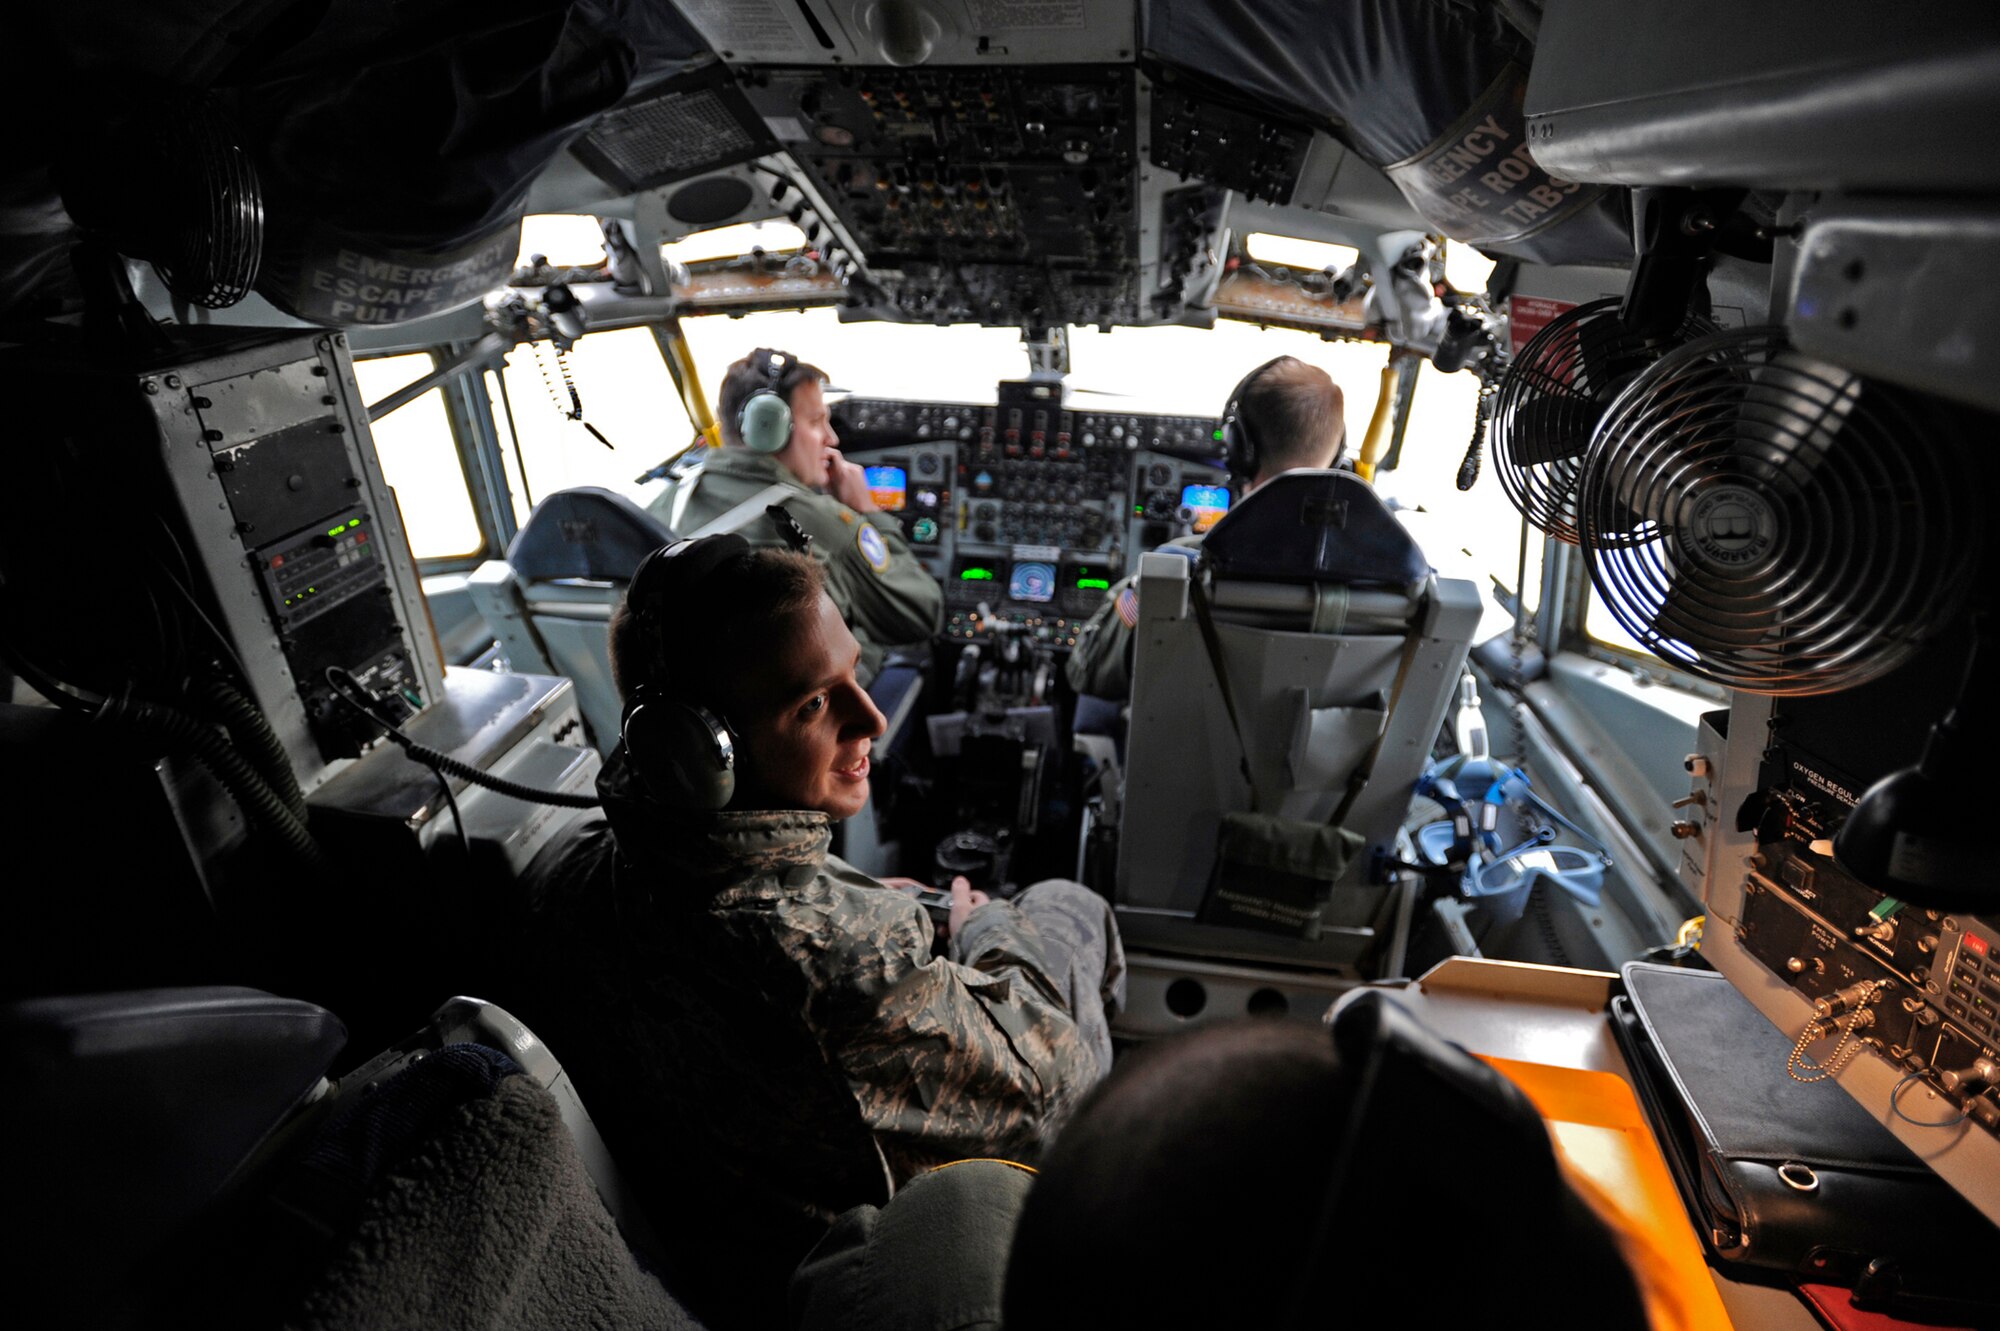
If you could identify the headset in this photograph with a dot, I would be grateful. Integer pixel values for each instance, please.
(683, 752)
(1238, 440)
(764, 423)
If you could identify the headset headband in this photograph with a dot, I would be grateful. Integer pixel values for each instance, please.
(1244, 449)
(669, 573)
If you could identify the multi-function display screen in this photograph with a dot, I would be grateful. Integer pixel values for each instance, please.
(889, 487)
(1206, 502)
(1032, 581)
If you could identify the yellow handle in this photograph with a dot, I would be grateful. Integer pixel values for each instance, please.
(1376, 441)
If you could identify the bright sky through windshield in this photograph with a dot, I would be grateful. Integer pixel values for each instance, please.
(627, 394)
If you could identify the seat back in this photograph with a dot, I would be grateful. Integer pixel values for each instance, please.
(458, 1172)
(549, 602)
(181, 1149)
(1313, 631)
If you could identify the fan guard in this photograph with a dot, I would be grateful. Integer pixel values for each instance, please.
(166, 179)
(211, 212)
(1773, 522)
(1552, 397)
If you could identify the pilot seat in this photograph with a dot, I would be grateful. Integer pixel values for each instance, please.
(1341, 649)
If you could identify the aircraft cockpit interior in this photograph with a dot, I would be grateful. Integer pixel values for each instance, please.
(1452, 527)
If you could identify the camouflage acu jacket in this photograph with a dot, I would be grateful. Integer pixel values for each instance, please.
(737, 948)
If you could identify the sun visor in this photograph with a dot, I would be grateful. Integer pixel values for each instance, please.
(1429, 92)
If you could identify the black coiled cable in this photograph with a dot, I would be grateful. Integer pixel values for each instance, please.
(1475, 452)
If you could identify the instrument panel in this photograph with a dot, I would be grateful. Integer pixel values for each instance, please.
(981, 189)
(1919, 987)
(1027, 512)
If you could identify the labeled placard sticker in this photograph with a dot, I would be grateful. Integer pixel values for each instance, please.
(1477, 183)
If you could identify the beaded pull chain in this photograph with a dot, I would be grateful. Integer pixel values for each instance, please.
(1843, 1050)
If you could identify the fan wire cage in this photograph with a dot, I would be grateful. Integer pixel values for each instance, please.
(1774, 523)
(210, 246)
(1552, 397)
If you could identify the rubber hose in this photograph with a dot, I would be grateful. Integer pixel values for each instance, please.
(252, 732)
(260, 804)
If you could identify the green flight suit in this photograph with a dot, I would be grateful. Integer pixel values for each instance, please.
(884, 594)
(1101, 665)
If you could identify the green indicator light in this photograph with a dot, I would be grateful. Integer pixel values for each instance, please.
(335, 531)
(1218, 436)
(354, 522)
(1138, 510)
(1095, 584)
(975, 575)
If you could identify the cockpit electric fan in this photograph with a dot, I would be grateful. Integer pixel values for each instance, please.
(1555, 392)
(167, 179)
(1773, 522)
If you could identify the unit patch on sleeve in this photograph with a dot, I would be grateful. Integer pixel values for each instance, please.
(872, 547)
(1128, 607)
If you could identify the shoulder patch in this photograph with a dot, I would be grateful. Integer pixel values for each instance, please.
(872, 547)
(845, 515)
(1128, 607)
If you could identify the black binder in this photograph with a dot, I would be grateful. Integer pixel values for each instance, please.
(1791, 1180)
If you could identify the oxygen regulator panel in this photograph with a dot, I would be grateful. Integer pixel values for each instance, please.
(1896, 1001)
(266, 445)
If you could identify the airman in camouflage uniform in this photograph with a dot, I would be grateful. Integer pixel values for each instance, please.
(975, 1053)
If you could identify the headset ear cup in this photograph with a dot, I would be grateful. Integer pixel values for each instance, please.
(766, 423)
(683, 753)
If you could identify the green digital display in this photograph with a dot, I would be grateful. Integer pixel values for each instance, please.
(1094, 584)
(976, 575)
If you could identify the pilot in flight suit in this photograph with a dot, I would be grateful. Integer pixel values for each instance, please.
(882, 591)
(1283, 416)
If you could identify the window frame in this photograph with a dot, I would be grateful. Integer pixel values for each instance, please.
(1575, 636)
(476, 442)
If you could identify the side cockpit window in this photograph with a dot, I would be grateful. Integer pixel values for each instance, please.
(421, 461)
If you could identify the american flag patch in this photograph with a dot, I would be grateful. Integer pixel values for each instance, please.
(1128, 607)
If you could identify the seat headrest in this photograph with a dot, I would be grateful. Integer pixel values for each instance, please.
(1315, 526)
(585, 533)
(132, 1110)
